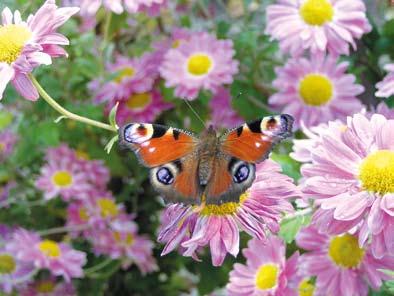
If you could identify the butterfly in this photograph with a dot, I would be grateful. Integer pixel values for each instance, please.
(211, 169)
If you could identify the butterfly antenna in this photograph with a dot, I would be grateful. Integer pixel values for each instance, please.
(194, 112)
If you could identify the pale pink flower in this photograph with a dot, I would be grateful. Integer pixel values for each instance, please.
(266, 272)
(133, 75)
(64, 174)
(386, 86)
(24, 45)
(141, 107)
(151, 7)
(341, 266)
(316, 90)
(257, 213)
(59, 258)
(48, 287)
(8, 140)
(384, 110)
(351, 177)
(317, 25)
(121, 240)
(203, 62)
(222, 113)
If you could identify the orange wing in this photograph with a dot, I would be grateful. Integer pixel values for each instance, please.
(252, 142)
(156, 144)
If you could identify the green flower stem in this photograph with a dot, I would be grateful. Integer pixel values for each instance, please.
(99, 266)
(64, 229)
(67, 114)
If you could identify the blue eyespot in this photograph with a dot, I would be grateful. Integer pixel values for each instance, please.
(241, 174)
(165, 176)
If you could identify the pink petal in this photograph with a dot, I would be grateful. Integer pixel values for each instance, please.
(25, 87)
(6, 74)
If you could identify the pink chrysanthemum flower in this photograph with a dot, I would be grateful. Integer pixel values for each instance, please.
(317, 25)
(131, 75)
(7, 142)
(316, 90)
(258, 211)
(384, 110)
(26, 45)
(141, 107)
(351, 177)
(59, 258)
(64, 175)
(48, 287)
(341, 266)
(266, 271)
(121, 240)
(203, 62)
(13, 272)
(386, 87)
(222, 113)
(151, 7)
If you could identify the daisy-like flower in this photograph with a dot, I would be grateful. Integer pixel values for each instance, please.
(340, 265)
(59, 258)
(386, 87)
(384, 110)
(317, 25)
(121, 240)
(26, 45)
(49, 286)
(266, 271)
(63, 175)
(222, 113)
(151, 7)
(141, 107)
(258, 211)
(13, 272)
(130, 76)
(316, 90)
(203, 62)
(351, 177)
(7, 142)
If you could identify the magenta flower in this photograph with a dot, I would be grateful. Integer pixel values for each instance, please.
(316, 90)
(26, 45)
(317, 25)
(266, 271)
(49, 286)
(63, 175)
(258, 211)
(203, 62)
(341, 266)
(59, 258)
(121, 240)
(134, 75)
(7, 142)
(141, 107)
(351, 178)
(386, 87)
(222, 113)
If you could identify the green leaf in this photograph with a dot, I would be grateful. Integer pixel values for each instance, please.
(290, 227)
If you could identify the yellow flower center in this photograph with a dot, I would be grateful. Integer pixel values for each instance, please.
(49, 248)
(107, 207)
(317, 12)
(83, 214)
(227, 208)
(62, 179)
(306, 288)
(128, 239)
(199, 64)
(139, 101)
(12, 40)
(2, 147)
(125, 72)
(345, 251)
(45, 286)
(315, 89)
(377, 172)
(267, 276)
(7, 264)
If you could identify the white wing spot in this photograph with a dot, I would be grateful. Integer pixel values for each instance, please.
(152, 149)
(257, 144)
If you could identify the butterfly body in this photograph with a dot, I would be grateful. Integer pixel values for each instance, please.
(210, 168)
